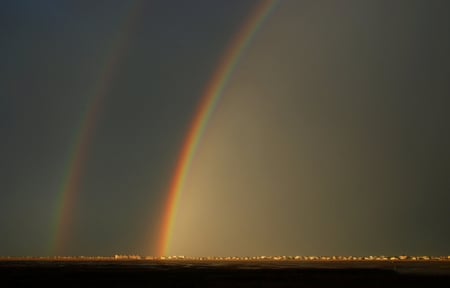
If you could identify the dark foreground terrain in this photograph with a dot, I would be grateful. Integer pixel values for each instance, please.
(225, 273)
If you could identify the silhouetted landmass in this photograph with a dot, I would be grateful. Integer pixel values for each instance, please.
(137, 271)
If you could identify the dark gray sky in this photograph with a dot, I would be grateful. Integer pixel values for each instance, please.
(331, 137)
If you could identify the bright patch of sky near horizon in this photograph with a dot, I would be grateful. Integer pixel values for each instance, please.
(331, 139)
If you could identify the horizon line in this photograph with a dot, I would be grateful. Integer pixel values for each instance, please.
(238, 258)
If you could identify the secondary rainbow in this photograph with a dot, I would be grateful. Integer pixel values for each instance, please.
(78, 153)
(207, 106)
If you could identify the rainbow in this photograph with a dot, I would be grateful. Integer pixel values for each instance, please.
(78, 152)
(208, 103)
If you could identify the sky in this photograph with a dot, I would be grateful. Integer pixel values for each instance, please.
(326, 131)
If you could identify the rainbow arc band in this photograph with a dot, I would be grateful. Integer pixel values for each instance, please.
(208, 104)
(78, 153)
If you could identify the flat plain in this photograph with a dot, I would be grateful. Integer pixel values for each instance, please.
(125, 271)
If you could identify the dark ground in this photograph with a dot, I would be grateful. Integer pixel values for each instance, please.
(190, 273)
